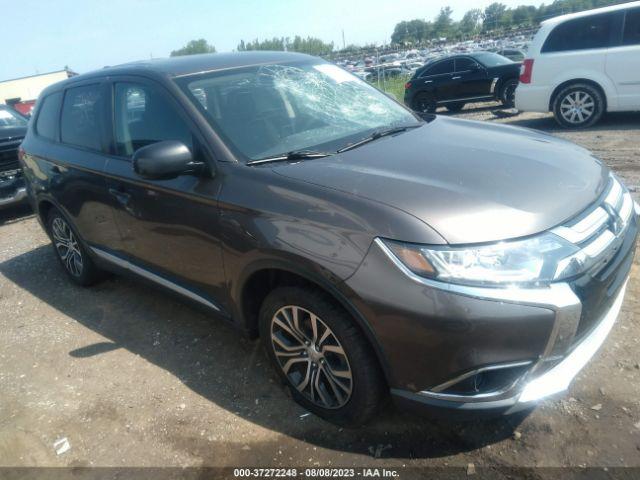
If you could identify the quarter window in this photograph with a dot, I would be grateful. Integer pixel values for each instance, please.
(631, 34)
(47, 121)
(144, 116)
(81, 112)
(580, 34)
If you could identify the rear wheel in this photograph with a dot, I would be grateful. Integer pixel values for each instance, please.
(424, 103)
(508, 93)
(321, 355)
(578, 106)
(455, 107)
(70, 252)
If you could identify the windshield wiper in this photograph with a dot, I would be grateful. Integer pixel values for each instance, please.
(292, 155)
(383, 132)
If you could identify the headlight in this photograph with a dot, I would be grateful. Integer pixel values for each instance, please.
(540, 259)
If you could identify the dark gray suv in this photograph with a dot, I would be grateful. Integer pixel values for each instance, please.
(449, 263)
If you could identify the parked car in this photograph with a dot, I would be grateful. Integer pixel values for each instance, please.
(13, 128)
(581, 65)
(453, 264)
(512, 54)
(453, 81)
(25, 107)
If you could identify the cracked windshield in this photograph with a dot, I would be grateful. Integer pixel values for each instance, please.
(270, 110)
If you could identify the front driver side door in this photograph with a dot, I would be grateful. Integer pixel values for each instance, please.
(169, 227)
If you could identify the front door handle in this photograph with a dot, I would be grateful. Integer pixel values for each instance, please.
(120, 195)
(456, 78)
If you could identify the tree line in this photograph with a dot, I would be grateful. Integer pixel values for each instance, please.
(310, 45)
(496, 17)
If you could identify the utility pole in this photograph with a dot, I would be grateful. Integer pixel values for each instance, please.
(344, 44)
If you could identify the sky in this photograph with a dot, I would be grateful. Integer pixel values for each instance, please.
(42, 35)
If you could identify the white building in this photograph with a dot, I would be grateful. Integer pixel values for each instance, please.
(26, 89)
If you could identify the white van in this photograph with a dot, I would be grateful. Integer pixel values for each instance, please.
(583, 64)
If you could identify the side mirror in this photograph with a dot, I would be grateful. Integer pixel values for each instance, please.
(163, 160)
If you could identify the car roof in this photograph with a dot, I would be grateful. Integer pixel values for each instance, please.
(586, 13)
(189, 64)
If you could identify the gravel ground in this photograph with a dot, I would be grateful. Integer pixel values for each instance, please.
(132, 377)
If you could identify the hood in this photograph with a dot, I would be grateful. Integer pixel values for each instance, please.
(471, 181)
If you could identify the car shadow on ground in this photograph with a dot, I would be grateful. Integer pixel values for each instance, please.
(610, 121)
(14, 213)
(211, 358)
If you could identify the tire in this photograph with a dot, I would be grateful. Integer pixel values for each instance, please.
(508, 93)
(308, 369)
(424, 103)
(455, 107)
(75, 260)
(589, 110)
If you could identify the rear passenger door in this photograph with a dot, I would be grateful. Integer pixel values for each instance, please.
(437, 79)
(473, 78)
(623, 62)
(67, 155)
(169, 227)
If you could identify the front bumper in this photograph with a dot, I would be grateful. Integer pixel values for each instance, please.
(12, 189)
(435, 338)
(553, 381)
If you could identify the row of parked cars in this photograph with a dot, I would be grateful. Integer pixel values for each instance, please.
(578, 66)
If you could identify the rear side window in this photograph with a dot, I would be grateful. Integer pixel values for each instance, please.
(47, 121)
(446, 66)
(143, 116)
(580, 34)
(81, 113)
(631, 35)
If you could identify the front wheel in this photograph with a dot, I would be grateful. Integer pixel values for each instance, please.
(578, 106)
(321, 355)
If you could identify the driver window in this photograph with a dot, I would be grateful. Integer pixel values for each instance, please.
(144, 116)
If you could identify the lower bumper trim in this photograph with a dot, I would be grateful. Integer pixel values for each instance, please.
(559, 377)
(554, 381)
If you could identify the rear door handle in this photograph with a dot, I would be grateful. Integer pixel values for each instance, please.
(456, 78)
(120, 195)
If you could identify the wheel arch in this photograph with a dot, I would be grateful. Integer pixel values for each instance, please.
(262, 279)
(567, 83)
(44, 206)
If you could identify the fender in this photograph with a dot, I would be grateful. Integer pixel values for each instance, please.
(338, 290)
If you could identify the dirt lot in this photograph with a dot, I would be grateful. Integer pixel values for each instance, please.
(133, 378)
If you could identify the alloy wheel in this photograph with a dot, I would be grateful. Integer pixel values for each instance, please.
(577, 107)
(311, 357)
(425, 104)
(509, 95)
(67, 246)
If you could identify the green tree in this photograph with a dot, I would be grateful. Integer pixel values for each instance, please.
(194, 47)
(493, 15)
(470, 23)
(310, 45)
(443, 24)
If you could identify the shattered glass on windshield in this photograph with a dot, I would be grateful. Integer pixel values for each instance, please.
(273, 109)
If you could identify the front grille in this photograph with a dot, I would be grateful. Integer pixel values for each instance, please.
(9, 156)
(606, 235)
